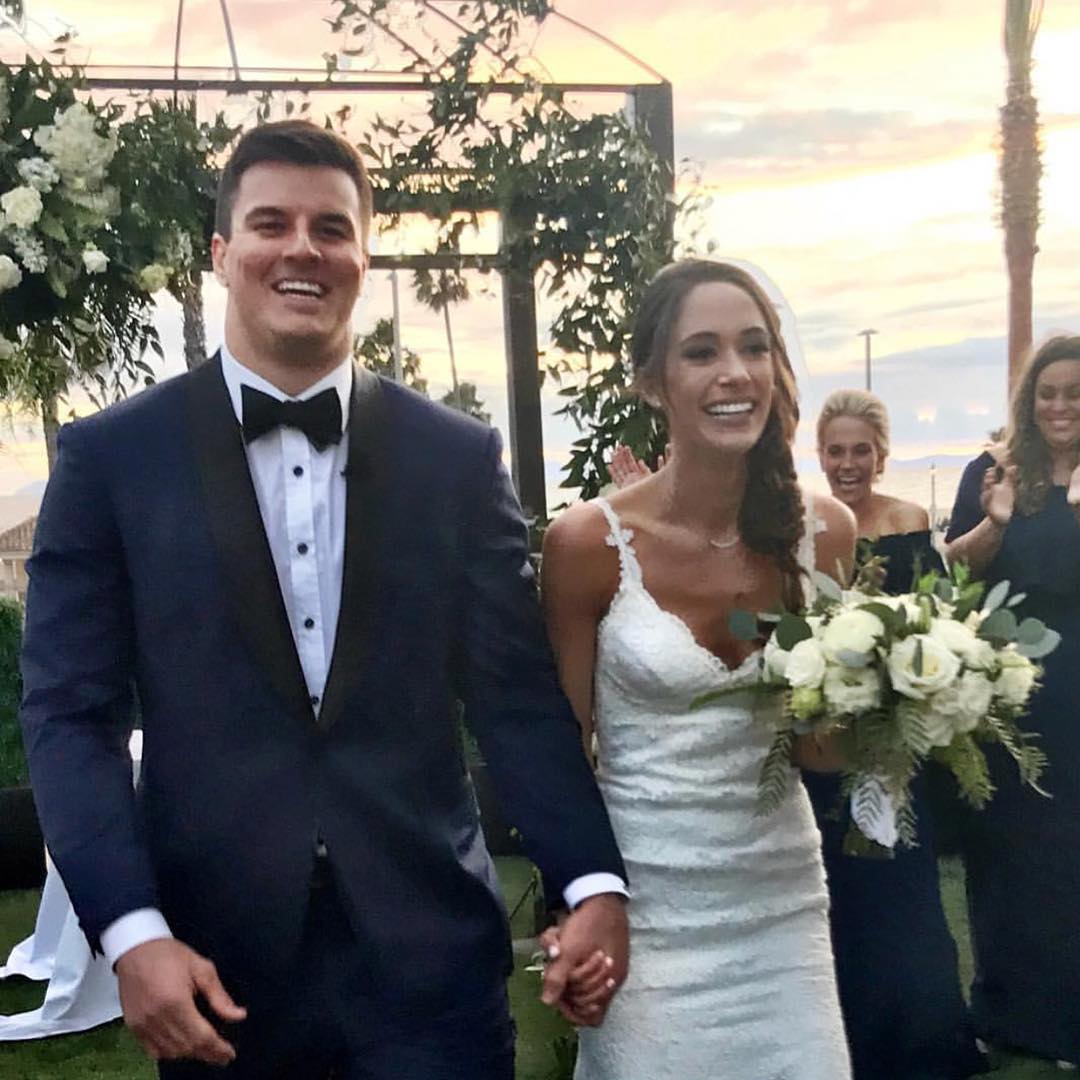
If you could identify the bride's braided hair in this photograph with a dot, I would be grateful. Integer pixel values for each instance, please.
(771, 514)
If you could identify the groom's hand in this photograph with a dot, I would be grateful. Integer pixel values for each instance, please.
(159, 982)
(596, 924)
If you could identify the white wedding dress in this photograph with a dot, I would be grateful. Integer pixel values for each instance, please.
(731, 970)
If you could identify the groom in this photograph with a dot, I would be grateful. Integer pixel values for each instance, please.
(296, 568)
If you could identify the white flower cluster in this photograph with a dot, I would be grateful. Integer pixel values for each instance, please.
(22, 207)
(40, 174)
(10, 274)
(30, 250)
(848, 659)
(154, 277)
(7, 348)
(81, 155)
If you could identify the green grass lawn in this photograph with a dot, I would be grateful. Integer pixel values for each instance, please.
(109, 1052)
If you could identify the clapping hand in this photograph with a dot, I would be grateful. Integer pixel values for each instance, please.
(1073, 494)
(999, 493)
(626, 469)
(587, 959)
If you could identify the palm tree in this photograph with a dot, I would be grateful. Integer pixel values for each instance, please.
(438, 291)
(1020, 170)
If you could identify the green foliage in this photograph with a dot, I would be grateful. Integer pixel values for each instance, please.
(125, 209)
(467, 400)
(12, 759)
(376, 352)
(584, 199)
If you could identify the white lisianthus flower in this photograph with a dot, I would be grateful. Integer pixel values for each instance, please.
(39, 174)
(940, 727)
(912, 611)
(937, 669)
(154, 277)
(960, 639)
(94, 261)
(852, 631)
(965, 701)
(7, 348)
(806, 664)
(31, 251)
(851, 690)
(22, 206)
(1017, 678)
(10, 274)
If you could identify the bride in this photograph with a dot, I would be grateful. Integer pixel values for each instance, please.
(731, 975)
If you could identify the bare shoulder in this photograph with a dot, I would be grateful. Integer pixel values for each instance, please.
(577, 557)
(909, 516)
(835, 543)
(833, 514)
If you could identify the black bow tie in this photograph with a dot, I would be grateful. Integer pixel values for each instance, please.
(319, 418)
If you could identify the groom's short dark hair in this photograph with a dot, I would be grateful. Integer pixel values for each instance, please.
(291, 142)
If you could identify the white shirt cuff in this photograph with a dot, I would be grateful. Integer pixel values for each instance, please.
(589, 885)
(135, 928)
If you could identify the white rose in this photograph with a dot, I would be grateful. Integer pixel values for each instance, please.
(806, 664)
(852, 631)
(940, 727)
(154, 277)
(852, 690)
(960, 639)
(94, 261)
(959, 707)
(10, 274)
(22, 206)
(938, 667)
(1017, 678)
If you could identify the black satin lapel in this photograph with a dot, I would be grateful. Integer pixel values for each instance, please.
(365, 474)
(251, 585)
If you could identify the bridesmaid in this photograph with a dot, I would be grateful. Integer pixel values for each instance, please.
(896, 960)
(1017, 517)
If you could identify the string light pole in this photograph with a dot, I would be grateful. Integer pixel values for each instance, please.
(866, 334)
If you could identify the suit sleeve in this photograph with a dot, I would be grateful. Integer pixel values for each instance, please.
(77, 665)
(513, 703)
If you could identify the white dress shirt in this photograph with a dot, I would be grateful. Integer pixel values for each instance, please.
(301, 496)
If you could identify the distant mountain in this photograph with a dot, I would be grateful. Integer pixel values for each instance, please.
(37, 489)
(942, 461)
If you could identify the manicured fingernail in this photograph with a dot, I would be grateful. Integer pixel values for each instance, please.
(553, 952)
(608, 962)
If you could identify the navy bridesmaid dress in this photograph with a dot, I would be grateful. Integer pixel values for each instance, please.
(1022, 853)
(896, 961)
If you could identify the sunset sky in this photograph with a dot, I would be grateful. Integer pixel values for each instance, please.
(848, 147)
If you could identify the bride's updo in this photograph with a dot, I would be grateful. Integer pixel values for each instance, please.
(771, 515)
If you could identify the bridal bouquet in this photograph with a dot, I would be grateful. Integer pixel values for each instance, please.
(937, 673)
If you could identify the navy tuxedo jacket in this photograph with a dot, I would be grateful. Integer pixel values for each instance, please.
(151, 578)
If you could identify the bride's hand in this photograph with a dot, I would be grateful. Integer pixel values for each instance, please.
(625, 469)
(999, 493)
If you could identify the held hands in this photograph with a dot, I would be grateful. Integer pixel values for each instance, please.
(588, 959)
(999, 493)
(159, 981)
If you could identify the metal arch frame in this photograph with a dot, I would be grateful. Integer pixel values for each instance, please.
(652, 104)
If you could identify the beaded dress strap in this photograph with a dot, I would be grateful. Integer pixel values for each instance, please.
(622, 540)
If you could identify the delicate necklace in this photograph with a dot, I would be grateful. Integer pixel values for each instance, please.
(723, 545)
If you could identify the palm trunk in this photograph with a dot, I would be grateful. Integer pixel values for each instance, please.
(1021, 170)
(194, 323)
(453, 360)
(50, 421)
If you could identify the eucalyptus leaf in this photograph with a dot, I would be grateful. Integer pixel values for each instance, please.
(1018, 598)
(943, 589)
(743, 625)
(917, 662)
(1047, 645)
(996, 596)
(888, 615)
(999, 626)
(850, 658)
(790, 630)
(1030, 632)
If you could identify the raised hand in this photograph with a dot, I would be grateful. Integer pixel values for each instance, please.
(159, 981)
(625, 468)
(999, 493)
(589, 960)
